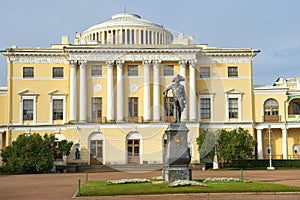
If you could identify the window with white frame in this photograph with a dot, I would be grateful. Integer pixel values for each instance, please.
(57, 106)
(168, 70)
(27, 109)
(28, 106)
(58, 109)
(233, 107)
(205, 108)
(96, 70)
(204, 72)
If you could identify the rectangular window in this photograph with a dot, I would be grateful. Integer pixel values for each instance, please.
(233, 108)
(204, 72)
(133, 103)
(232, 71)
(27, 109)
(96, 70)
(58, 72)
(97, 109)
(168, 70)
(58, 109)
(132, 70)
(205, 108)
(28, 72)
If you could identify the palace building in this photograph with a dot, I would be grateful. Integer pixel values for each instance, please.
(104, 92)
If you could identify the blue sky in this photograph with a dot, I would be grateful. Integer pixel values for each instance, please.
(271, 26)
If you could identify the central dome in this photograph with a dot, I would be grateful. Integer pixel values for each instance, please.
(126, 28)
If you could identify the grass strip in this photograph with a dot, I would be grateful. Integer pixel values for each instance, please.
(100, 188)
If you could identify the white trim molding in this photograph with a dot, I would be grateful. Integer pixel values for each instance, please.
(57, 94)
(233, 93)
(31, 95)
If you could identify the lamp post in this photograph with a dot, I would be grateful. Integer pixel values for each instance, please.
(270, 153)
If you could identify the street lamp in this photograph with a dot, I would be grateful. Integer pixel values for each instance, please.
(270, 150)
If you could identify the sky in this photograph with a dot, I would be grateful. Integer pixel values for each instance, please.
(272, 26)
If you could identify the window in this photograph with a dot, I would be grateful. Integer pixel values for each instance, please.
(133, 109)
(168, 70)
(28, 109)
(232, 72)
(96, 109)
(58, 109)
(204, 72)
(205, 108)
(296, 108)
(97, 70)
(58, 72)
(132, 70)
(28, 72)
(233, 107)
(169, 109)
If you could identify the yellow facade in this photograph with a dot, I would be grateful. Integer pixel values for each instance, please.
(118, 114)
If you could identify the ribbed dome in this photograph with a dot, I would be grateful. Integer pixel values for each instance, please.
(126, 28)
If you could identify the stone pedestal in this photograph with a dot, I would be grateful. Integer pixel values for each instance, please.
(176, 154)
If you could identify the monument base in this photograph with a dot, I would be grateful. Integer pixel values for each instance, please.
(174, 173)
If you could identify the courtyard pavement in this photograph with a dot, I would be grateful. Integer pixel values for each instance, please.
(64, 185)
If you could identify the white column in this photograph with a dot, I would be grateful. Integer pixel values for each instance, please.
(146, 90)
(103, 37)
(259, 144)
(120, 91)
(182, 64)
(82, 97)
(125, 39)
(140, 36)
(284, 143)
(145, 36)
(156, 91)
(110, 91)
(121, 36)
(192, 93)
(72, 116)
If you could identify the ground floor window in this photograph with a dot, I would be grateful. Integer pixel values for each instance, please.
(133, 151)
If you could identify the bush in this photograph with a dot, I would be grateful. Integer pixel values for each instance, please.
(32, 154)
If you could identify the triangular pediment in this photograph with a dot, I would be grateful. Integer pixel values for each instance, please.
(28, 93)
(205, 91)
(234, 91)
(57, 92)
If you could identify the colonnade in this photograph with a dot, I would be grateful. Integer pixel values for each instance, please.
(129, 36)
(260, 150)
(110, 115)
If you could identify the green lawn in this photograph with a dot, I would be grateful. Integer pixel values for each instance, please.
(100, 188)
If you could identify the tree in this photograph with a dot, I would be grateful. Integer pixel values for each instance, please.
(207, 141)
(232, 145)
(32, 154)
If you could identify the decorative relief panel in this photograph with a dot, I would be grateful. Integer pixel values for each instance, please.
(224, 59)
(38, 59)
(133, 56)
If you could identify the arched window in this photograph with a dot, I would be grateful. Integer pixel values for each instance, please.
(271, 110)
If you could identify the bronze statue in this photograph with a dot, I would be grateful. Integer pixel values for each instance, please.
(179, 96)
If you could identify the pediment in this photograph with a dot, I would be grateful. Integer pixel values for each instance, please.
(234, 91)
(28, 93)
(57, 92)
(205, 91)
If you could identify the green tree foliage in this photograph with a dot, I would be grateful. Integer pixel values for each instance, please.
(33, 154)
(206, 143)
(232, 145)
